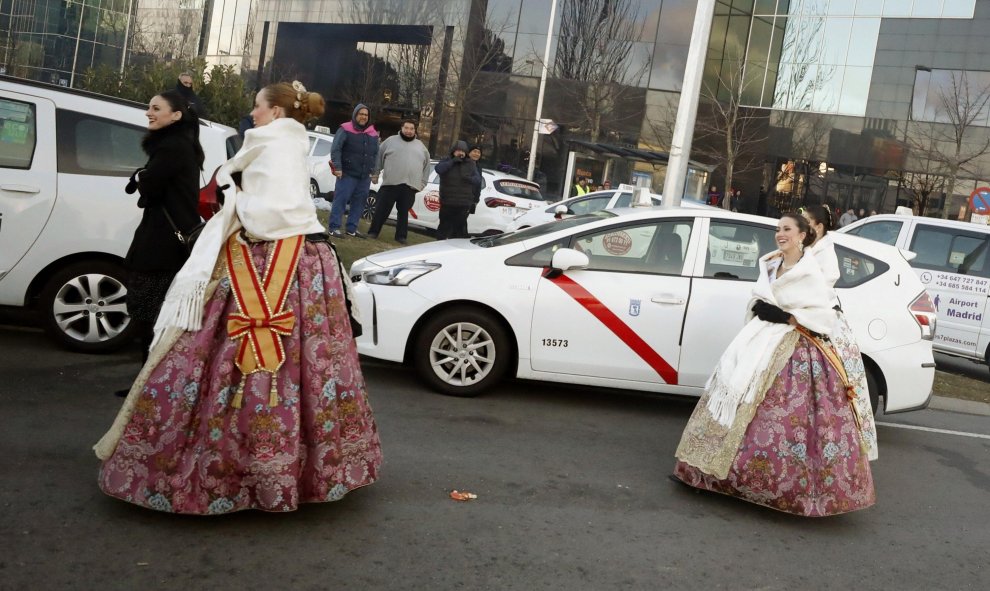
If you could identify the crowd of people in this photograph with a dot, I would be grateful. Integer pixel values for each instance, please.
(251, 394)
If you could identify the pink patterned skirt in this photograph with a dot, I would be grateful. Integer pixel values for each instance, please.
(801, 452)
(186, 449)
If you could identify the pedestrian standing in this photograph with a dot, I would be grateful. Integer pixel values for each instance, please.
(775, 425)
(253, 396)
(475, 154)
(459, 178)
(353, 154)
(581, 188)
(168, 188)
(404, 163)
(847, 218)
(714, 197)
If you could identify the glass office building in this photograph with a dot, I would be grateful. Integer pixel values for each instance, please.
(55, 40)
(848, 96)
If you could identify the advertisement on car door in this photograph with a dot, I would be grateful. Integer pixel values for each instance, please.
(960, 301)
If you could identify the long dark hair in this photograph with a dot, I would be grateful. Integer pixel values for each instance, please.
(822, 215)
(188, 124)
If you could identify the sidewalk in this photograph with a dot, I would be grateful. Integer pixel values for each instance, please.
(956, 393)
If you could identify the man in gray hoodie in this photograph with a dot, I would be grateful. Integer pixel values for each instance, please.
(404, 163)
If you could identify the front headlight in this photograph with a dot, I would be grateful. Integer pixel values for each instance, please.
(403, 274)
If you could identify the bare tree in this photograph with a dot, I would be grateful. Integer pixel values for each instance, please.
(922, 186)
(595, 48)
(166, 29)
(727, 131)
(960, 105)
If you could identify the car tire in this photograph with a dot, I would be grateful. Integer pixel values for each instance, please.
(314, 189)
(462, 351)
(84, 307)
(874, 387)
(369, 206)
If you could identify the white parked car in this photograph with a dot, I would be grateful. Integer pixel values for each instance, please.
(645, 300)
(953, 263)
(65, 221)
(321, 180)
(503, 197)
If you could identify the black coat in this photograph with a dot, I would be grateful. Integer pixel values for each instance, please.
(458, 179)
(170, 179)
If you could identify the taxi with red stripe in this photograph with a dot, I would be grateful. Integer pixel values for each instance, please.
(641, 299)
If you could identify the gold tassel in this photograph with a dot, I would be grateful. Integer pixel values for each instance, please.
(239, 396)
(273, 395)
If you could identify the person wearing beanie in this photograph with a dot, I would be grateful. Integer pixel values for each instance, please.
(404, 163)
(459, 176)
(353, 154)
(475, 154)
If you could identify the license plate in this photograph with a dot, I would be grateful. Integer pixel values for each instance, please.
(736, 257)
(509, 211)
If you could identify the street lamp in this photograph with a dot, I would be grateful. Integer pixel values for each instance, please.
(539, 99)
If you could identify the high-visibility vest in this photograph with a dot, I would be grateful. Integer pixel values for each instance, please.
(581, 190)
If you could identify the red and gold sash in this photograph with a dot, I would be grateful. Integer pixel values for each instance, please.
(261, 321)
(840, 368)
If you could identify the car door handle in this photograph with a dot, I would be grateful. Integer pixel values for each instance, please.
(667, 299)
(20, 188)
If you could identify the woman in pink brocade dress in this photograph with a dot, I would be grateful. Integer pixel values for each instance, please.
(777, 424)
(252, 396)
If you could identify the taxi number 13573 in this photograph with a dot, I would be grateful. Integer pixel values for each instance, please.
(554, 342)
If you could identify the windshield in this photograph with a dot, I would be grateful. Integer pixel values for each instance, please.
(519, 189)
(541, 230)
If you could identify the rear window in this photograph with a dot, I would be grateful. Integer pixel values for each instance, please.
(856, 268)
(96, 146)
(519, 189)
(885, 231)
(950, 250)
(734, 250)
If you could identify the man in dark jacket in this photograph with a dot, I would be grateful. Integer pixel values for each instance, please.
(353, 154)
(459, 176)
(184, 86)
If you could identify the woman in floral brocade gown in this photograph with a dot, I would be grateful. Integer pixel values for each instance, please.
(252, 396)
(777, 424)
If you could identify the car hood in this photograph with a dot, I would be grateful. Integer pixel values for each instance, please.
(418, 252)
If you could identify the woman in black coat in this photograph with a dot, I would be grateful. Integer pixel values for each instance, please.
(168, 182)
(460, 186)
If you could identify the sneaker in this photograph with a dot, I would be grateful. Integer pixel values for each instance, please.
(356, 235)
(336, 234)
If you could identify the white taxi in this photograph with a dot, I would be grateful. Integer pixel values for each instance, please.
(581, 204)
(645, 300)
(503, 197)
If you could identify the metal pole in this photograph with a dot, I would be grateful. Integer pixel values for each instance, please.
(543, 87)
(75, 56)
(127, 32)
(571, 163)
(687, 108)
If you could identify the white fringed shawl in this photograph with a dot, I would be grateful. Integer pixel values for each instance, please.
(803, 293)
(272, 202)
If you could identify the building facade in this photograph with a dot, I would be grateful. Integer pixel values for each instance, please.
(849, 102)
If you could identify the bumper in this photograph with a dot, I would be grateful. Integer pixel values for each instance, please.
(910, 374)
(387, 323)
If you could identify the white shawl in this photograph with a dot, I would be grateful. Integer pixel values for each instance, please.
(272, 202)
(824, 253)
(802, 293)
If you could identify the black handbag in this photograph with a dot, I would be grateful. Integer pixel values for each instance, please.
(187, 239)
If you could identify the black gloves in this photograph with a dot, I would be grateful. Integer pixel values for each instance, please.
(770, 313)
(132, 183)
(219, 192)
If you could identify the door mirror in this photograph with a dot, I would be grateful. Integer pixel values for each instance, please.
(566, 259)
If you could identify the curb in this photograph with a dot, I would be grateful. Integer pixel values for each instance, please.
(970, 407)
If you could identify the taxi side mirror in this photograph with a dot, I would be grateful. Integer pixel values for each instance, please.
(566, 259)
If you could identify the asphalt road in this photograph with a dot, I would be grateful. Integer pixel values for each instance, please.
(572, 494)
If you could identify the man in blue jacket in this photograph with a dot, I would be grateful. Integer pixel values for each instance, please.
(354, 153)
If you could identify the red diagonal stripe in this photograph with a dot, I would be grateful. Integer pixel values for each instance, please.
(618, 327)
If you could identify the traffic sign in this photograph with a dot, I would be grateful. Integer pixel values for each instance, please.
(979, 200)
